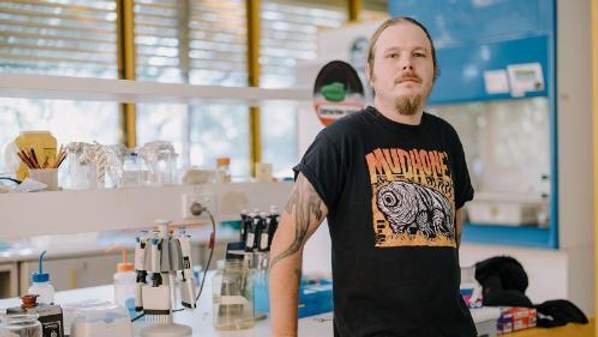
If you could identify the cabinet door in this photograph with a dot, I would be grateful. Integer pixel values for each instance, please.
(75, 272)
(9, 285)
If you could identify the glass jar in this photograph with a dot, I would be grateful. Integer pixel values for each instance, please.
(21, 325)
(132, 170)
(80, 172)
(233, 296)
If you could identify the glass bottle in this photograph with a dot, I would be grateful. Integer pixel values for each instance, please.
(233, 296)
(21, 325)
(223, 169)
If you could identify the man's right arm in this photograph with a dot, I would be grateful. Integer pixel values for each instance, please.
(302, 215)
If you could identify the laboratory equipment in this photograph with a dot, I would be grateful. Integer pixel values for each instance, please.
(21, 325)
(164, 257)
(133, 170)
(41, 285)
(160, 157)
(96, 320)
(80, 168)
(49, 315)
(124, 284)
(233, 307)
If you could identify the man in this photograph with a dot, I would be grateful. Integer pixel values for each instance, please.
(391, 180)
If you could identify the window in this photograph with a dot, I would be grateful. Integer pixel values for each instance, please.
(68, 37)
(204, 44)
(288, 36)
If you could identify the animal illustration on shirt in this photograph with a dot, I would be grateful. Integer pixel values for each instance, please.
(411, 208)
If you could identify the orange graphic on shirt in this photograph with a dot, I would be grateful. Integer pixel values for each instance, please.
(413, 201)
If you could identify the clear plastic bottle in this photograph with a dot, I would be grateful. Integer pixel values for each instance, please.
(233, 296)
(125, 280)
(41, 285)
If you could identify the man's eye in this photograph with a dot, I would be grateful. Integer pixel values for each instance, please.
(420, 55)
(393, 55)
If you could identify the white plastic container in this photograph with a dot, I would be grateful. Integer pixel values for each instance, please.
(41, 285)
(101, 321)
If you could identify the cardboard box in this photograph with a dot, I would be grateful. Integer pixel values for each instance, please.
(515, 319)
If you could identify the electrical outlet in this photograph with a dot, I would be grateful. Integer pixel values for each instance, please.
(192, 201)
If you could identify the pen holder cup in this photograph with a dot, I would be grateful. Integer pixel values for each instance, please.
(46, 176)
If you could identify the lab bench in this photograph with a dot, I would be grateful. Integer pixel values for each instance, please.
(200, 319)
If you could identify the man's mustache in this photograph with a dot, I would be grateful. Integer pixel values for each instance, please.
(408, 77)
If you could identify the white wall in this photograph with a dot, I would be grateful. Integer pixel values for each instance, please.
(575, 148)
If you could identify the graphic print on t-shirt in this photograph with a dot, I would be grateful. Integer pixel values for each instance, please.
(412, 198)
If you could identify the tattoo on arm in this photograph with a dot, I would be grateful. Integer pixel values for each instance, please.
(303, 205)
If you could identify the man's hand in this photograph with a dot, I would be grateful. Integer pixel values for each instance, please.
(302, 215)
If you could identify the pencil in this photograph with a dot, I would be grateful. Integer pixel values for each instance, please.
(24, 159)
(28, 159)
(60, 160)
(34, 157)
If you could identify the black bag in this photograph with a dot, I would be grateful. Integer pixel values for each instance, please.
(503, 281)
(559, 312)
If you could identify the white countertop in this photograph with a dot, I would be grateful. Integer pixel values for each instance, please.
(200, 319)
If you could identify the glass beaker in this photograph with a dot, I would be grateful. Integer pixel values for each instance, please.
(160, 158)
(21, 325)
(233, 296)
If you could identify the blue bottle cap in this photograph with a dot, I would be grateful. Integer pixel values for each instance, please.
(40, 276)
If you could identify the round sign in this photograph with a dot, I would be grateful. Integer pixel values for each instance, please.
(337, 92)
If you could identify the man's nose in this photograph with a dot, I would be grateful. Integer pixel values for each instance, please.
(406, 63)
(408, 67)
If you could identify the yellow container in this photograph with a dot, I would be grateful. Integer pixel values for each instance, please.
(42, 142)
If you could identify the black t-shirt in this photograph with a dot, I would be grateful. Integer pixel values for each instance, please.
(391, 190)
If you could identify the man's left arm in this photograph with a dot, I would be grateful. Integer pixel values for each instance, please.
(459, 219)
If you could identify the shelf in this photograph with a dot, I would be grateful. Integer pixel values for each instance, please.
(508, 235)
(123, 91)
(69, 212)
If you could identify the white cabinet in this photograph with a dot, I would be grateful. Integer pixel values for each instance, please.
(72, 272)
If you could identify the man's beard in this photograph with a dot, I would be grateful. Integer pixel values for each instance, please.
(408, 105)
